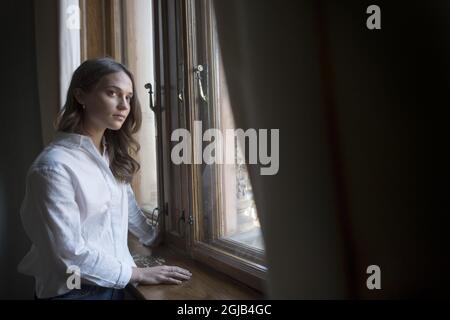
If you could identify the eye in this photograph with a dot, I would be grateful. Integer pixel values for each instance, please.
(112, 93)
(129, 98)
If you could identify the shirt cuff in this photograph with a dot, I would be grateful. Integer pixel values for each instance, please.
(149, 236)
(125, 276)
(147, 240)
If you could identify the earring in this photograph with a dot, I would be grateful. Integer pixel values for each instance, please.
(84, 107)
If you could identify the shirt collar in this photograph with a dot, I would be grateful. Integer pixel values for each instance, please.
(69, 139)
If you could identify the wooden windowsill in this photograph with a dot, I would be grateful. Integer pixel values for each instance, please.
(205, 283)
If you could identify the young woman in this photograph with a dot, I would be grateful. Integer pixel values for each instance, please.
(78, 204)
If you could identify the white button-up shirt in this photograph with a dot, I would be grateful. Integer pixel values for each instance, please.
(77, 214)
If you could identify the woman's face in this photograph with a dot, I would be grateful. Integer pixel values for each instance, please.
(108, 103)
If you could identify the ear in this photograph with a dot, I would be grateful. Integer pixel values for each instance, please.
(79, 95)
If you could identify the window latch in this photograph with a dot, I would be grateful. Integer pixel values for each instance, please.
(149, 87)
(198, 72)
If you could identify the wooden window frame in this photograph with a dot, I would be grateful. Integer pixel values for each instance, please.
(178, 185)
(218, 254)
(220, 250)
(100, 21)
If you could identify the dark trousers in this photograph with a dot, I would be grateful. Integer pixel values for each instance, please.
(88, 292)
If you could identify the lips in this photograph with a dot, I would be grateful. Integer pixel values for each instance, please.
(119, 116)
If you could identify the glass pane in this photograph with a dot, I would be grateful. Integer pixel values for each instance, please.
(229, 209)
(239, 219)
(141, 62)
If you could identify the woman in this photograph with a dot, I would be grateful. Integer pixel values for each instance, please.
(79, 204)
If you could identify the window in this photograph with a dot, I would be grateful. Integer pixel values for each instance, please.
(207, 208)
(138, 56)
(120, 29)
(228, 212)
(211, 212)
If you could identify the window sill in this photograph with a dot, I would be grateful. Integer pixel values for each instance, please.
(205, 283)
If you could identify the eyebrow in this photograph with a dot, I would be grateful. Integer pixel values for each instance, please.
(116, 87)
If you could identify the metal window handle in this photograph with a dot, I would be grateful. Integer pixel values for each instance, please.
(198, 71)
(154, 108)
(150, 93)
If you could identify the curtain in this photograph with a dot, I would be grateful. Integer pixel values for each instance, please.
(69, 44)
(271, 65)
(47, 62)
(57, 35)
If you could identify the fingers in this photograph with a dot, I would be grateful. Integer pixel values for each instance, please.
(175, 274)
(182, 271)
(166, 274)
(169, 280)
(178, 270)
(181, 276)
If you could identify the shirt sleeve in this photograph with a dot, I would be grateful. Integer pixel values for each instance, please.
(137, 223)
(51, 218)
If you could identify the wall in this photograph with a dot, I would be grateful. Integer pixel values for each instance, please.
(21, 139)
(390, 86)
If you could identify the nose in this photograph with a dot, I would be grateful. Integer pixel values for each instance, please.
(123, 104)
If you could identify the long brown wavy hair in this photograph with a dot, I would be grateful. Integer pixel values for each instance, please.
(121, 144)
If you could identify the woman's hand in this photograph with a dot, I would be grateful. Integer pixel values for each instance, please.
(160, 275)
